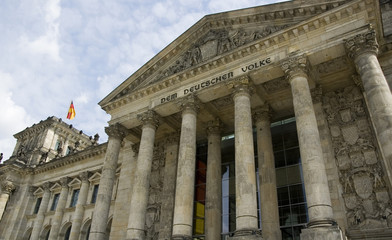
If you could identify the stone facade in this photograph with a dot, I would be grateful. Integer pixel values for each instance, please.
(235, 77)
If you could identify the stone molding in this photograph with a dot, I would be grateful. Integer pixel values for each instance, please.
(116, 131)
(362, 43)
(149, 118)
(7, 187)
(295, 66)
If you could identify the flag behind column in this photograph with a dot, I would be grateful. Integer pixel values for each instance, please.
(71, 111)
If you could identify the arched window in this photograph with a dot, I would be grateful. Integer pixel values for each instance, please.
(67, 233)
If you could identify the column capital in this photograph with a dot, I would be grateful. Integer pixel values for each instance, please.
(189, 103)
(149, 118)
(64, 182)
(116, 130)
(46, 186)
(7, 187)
(240, 86)
(214, 127)
(295, 66)
(362, 43)
(263, 113)
(84, 176)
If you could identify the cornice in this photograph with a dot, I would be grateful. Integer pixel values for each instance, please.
(208, 23)
(268, 43)
(89, 152)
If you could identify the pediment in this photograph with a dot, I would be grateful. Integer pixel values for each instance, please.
(216, 35)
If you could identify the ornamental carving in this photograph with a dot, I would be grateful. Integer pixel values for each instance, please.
(7, 187)
(153, 213)
(365, 42)
(149, 118)
(116, 131)
(360, 171)
(215, 42)
(295, 66)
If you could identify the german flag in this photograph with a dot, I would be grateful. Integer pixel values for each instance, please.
(71, 111)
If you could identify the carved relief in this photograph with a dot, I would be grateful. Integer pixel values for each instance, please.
(155, 200)
(214, 43)
(365, 194)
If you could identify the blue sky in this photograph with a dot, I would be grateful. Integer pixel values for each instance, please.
(55, 51)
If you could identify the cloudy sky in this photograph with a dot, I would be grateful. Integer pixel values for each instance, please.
(53, 51)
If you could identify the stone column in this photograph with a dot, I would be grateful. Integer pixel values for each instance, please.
(213, 209)
(77, 217)
(140, 191)
(58, 215)
(102, 206)
(245, 172)
(363, 49)
(185, 186)
(39, 219)
(267, 178)
(315, 177)
(6, 189)
(169, 186)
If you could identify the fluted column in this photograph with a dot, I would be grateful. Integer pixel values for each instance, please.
(140, 191)
(315, 177)
(213, 209)
(77, 217)
(58, 215)
(245, 172)
(6, 189)
(363, 49)
(39, 219)
(183, 209)
(116, 134)
(267, 176)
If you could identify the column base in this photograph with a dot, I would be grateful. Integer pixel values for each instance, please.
(322, 233)
(181, 237)
(246, 234)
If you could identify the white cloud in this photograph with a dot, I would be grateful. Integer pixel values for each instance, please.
(57, 51)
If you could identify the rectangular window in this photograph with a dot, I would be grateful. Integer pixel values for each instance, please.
(74, 198)
(95, 194)
(37, 205)
(55, 201)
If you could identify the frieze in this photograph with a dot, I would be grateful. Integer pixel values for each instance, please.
(361, 174)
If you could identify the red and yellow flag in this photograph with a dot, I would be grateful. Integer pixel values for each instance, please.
(71, 111)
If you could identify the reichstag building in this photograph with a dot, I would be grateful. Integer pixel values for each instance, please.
(272, 122)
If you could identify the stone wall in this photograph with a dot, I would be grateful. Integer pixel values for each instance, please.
(360, 168)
